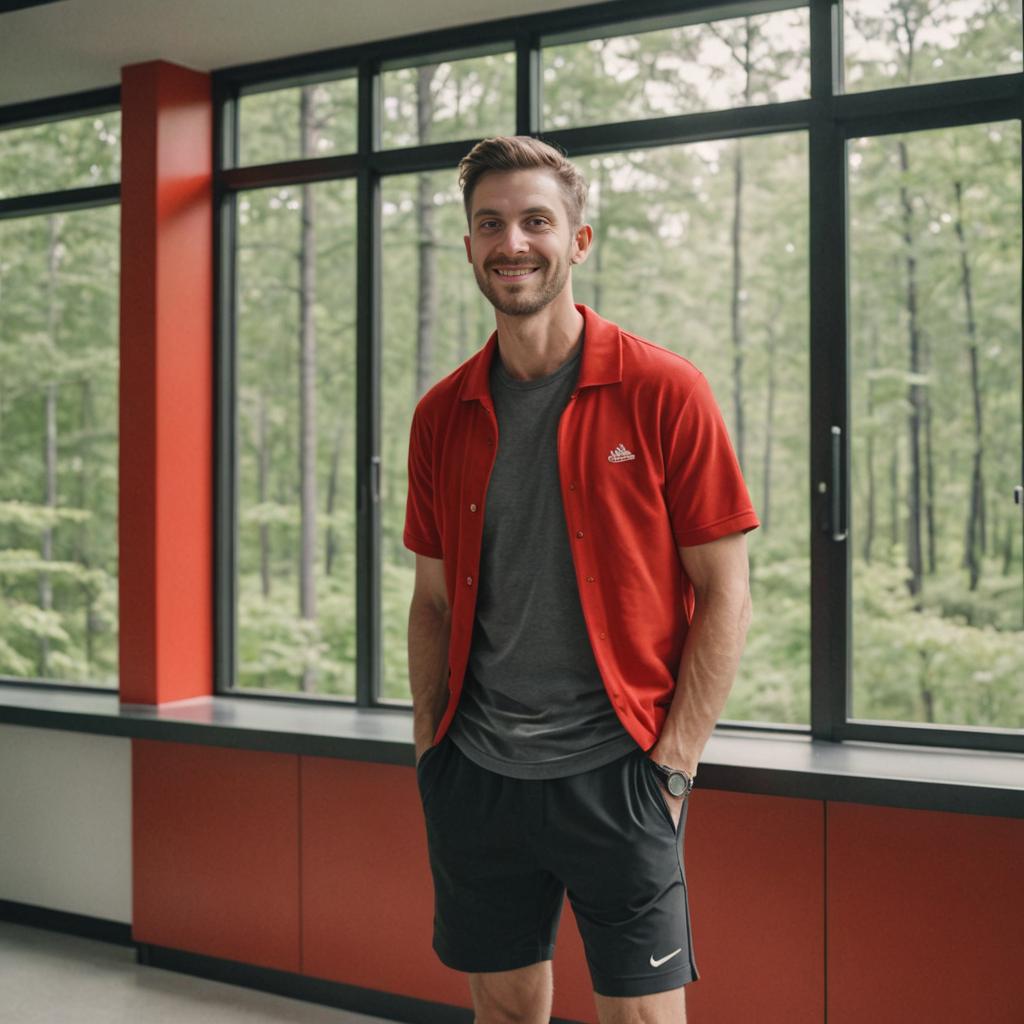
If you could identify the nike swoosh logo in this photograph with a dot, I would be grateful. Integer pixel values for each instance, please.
(658, 963)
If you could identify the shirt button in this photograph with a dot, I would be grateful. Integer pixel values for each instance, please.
(579, 533)
(572, 486)
(603, 636)
(469, 583)
(590, 579)
(472, 508)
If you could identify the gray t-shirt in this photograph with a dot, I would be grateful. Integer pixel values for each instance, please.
(533, 704)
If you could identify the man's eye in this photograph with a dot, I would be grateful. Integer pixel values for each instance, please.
(538, 221)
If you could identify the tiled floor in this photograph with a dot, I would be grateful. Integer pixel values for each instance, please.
(50, 978)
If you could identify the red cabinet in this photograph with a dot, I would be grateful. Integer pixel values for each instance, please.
(215, 852)
(925, 916)
(319, 866)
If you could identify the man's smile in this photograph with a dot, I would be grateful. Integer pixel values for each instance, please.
(515, 272)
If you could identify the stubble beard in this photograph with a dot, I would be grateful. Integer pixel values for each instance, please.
(526, 303)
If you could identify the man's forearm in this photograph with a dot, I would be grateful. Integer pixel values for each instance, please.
(710, 658)
(429, 629)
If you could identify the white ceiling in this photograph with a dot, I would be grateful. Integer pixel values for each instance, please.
(73, 45)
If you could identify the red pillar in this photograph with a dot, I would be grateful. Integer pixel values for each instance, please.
(166, 385)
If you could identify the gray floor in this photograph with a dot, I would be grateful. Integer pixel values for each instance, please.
(50, 978)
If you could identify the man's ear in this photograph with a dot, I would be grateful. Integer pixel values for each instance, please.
(581, 244)
(469, 249)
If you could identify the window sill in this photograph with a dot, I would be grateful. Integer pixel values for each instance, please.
(943, 779)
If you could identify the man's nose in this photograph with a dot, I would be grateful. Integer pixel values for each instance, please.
(515, 241)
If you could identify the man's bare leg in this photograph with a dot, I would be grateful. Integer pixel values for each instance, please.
(659, 1008)
(522, 996)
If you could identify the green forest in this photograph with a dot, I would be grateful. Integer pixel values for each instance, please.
(702, 248)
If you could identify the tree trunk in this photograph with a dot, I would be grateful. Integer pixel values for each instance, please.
(50, 428)
(307, 387)
(929, 459)
(599, 236)
(426, 310)
(263, 491)
(82, 539)
(735, 311)
(914, 396)
(869, 516)
(894, 496)
(337, 447)
(769, 431)
(1011, 529)
(738, 339)
(927, 693)
(974, 534)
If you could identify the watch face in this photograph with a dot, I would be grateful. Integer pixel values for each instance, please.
(676, 784)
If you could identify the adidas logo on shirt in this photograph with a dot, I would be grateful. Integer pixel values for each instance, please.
(621, 454)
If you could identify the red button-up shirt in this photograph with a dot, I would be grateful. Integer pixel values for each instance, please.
(646, 467)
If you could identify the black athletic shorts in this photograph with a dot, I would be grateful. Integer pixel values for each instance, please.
(504, 851)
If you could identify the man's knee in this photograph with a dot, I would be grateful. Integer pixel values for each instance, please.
(521, 996)
(658, 1008)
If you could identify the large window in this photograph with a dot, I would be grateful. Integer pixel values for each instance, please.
(58, 400)
(842, 263)
(296, 435)
(938, 611)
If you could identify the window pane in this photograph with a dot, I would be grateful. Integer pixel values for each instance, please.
(702, 248)
(296, 439)
(433, 319)
(270, 123)
(60, 154)
(449, 101)
(911, 42)
(58, 446)
(735, 62)
(935, 315)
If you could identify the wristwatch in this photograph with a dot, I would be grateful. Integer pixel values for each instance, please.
(677, 781)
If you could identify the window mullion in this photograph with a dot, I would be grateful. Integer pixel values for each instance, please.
(368, 355)
(830, 571)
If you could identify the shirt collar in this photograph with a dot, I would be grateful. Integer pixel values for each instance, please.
(601, 362)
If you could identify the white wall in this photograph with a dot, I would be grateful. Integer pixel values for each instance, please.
(65, 821)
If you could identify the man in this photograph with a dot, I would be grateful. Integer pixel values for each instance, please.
(581, 602)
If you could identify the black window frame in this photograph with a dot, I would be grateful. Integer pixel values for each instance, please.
(828, 116)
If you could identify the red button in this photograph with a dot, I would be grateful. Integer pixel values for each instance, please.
(469, 581)
(579, 533)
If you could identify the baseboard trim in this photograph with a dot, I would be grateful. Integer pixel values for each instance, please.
(313, 990)
(87, 927)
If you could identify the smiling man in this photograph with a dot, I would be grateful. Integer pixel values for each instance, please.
(580, 606)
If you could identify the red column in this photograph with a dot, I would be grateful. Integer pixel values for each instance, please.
(166, 385)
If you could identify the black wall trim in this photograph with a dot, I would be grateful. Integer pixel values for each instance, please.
(312, 990)
(118, 933)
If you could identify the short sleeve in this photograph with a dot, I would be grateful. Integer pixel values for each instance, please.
(421, 533)
(706, 495)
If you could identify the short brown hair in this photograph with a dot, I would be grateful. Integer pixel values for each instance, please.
(523, 153)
